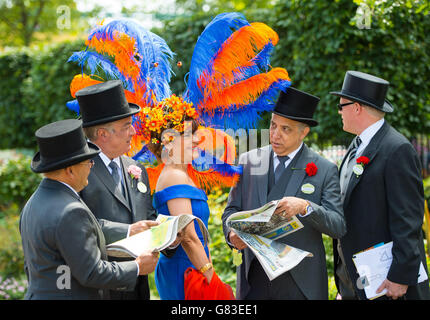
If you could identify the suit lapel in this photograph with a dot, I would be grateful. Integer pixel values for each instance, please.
(106, 178)
(129, 185)
(262, 178)
(345, 158)
(297, 176)
(370, 152)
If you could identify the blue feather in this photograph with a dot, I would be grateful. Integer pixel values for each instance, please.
(207, 46)
(206, 161)
(151, 49)
(74, 106)
(97, 63)
(145, 156)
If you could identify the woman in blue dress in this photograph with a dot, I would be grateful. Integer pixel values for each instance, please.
(176, 194)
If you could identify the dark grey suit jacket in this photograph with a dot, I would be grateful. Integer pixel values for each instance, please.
(58, 229)
(251, 192)
(386, 203)
(114, 211)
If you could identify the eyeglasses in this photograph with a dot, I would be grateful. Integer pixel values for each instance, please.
(341, 105)
(90, 163)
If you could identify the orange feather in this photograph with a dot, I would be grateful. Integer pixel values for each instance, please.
(237, 52)
(123, 49)
(244, 92)
(81, 81)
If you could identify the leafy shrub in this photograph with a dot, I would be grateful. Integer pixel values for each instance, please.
(220, 251)
(11, 253)
(34, 89)
(14, 69)
(17, 182)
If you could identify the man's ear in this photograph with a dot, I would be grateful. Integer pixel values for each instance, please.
(102, 134)
(358, 108)
(305, 132)
(69, 171)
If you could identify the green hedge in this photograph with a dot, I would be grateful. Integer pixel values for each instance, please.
(14, 70)
(34, 89)
(17, 182)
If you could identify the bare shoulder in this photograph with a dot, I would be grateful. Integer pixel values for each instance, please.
(172, 176)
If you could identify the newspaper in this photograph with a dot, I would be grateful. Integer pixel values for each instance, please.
(373, 265)
(260, 229)
(155, 239)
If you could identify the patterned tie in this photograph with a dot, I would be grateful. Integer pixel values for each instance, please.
(281, 167)
(115, 176)
(355, 144)
(346, 170)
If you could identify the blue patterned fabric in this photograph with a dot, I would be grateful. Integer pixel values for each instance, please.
(169, 273)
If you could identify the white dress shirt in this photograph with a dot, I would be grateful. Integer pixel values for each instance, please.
(74, 191)
(367, 135)
(107, 161)
(291, 156)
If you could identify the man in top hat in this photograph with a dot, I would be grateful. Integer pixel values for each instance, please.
(382, 192)
(277, 171)
(115, 197)
(64, 247)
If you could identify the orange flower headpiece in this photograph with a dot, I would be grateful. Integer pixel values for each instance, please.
(170, 113)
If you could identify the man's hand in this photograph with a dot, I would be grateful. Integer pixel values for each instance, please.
(147, 262)
(291, 206)
(236, 241)
(142, 225)
(394, 290)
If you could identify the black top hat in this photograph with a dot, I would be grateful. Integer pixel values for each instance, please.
(104, 102)
(366, 89)
(297, 105)
(61, 144)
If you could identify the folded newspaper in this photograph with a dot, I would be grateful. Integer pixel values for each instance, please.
(261, 230)
(155, 239)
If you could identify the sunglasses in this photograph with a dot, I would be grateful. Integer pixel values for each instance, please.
(341, 105)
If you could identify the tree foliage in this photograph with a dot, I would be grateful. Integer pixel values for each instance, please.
(34, 89)
(320, 41)
(21, 20)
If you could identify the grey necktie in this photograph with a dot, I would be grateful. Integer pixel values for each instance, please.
(355, 144)
(281, 167)
(116, 177)
(346, 171)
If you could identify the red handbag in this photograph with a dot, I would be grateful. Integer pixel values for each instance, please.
(196, 287)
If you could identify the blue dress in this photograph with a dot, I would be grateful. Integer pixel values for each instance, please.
(169, 273)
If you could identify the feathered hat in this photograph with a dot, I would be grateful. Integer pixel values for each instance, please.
(230, 84)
